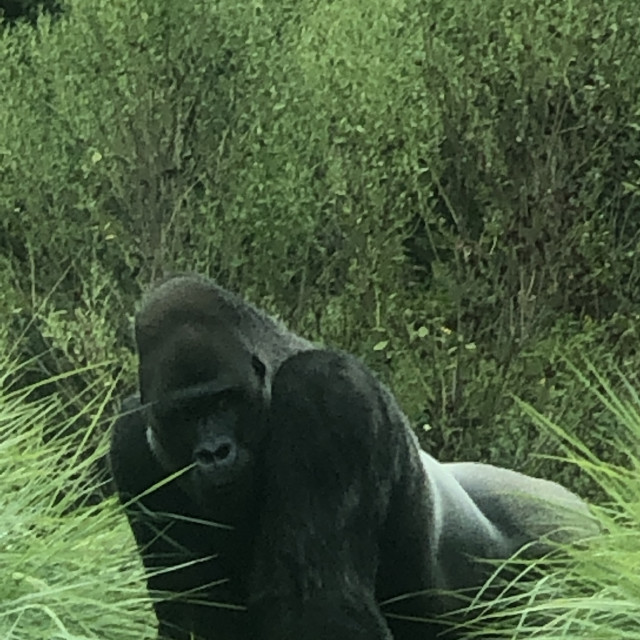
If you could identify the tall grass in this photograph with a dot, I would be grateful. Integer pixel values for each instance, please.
(590, 591)
(68, 568)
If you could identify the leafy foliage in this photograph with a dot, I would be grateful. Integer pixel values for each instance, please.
(447, 190)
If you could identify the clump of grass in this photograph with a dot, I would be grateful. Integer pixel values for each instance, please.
(591, 590)
(69, 568)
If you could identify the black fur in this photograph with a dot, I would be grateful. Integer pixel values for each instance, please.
(187, 557)
(299, 488)
(354, 514)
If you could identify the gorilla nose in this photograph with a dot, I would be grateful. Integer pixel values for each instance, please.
(221, 452)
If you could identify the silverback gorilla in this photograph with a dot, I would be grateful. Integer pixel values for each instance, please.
(276, 491)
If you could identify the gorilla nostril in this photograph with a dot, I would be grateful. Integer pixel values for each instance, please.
(219, 453)
(205, 457)
(223, 451)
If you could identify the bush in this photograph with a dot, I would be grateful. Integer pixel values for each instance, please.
(447, 191)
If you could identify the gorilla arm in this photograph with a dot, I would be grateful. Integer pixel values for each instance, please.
(328, 471)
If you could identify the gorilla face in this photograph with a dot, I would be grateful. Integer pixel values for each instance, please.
(207, 397)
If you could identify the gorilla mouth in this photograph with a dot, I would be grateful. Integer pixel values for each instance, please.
(224, 486)
(208, 487)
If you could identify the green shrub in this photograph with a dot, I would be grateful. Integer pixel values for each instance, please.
(448, 191)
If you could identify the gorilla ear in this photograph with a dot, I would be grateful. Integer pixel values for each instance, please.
(259, 367)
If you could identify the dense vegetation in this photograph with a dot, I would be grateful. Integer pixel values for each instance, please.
(449, 190)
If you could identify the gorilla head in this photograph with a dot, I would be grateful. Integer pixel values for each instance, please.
(205, 389)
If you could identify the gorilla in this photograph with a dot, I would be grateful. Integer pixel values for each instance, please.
(276, 490)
